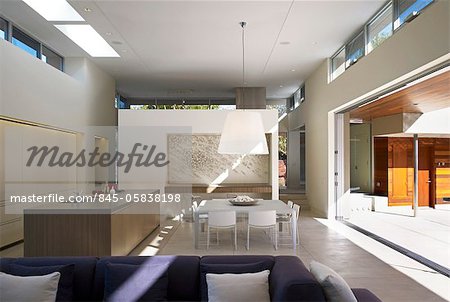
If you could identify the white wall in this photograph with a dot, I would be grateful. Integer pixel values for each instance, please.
(35, 92)
(418, 43)
(293, 160)
(194, 121)
(77, 100)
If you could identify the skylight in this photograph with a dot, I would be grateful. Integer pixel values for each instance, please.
(88, 39)
(54, 10)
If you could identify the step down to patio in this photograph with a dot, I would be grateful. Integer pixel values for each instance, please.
(297, 198)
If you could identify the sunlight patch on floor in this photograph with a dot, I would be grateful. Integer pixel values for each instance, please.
(149, 251)
(435, 282)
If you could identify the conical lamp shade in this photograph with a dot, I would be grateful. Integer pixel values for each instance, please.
(243, 133)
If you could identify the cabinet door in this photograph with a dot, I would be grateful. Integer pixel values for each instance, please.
(401, 171)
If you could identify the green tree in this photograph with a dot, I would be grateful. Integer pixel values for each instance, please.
(282, 144)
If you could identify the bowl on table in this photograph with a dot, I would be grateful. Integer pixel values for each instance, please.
(243, 201)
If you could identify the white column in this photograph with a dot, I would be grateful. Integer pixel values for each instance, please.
(416, 174)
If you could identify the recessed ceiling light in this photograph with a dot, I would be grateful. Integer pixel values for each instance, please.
(88, 39)
(285, 43)
(54, 10)
(108, 33)
(281, 86)
(87, 9)
(292, 70)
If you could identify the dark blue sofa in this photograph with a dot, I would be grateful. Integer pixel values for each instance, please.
(289, 280)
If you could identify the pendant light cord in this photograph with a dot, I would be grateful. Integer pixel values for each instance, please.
(243, 24)
(243, 52)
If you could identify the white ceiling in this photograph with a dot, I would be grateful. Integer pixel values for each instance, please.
(193, 48)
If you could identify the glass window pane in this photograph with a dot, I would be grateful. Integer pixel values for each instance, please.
(290, 103)
(407, 7)
(140, 107)
(51, 58)
(3, 29)
(225, 107)
(281, 108)
(354, 50)
(299, 96)
(25, 42)
(338, 64)
(380, 29)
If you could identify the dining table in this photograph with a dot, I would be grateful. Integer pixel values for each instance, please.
(213, 205)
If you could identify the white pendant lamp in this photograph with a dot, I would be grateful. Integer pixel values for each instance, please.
(243, 131)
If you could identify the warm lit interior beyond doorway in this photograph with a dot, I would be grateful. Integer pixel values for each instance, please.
(399, 163)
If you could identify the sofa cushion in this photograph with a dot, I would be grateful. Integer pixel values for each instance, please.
(334, 286)
(31, 288)
(290, 280)
(145, 282)
(183, 275)
(83, 277)
(65, 285)
(364, 295)
(238, 287)
(231, 264)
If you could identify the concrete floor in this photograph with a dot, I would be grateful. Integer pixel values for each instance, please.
(362, 261)
(428, 234)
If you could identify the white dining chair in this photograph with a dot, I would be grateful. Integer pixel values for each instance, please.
(285, 216)
(202, 218)
(221, 220)
(262, 220)
(188, 215)
(288, 222)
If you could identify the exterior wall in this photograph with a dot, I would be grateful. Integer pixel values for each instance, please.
(417, 44)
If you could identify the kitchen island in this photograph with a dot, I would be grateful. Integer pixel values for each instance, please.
(79, 230)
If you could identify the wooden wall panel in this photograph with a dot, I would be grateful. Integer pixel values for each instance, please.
(442, 164)
(67, 235)
(429, 95)
(86, 234)
(381, 166)
(394, 170)
(400, 171)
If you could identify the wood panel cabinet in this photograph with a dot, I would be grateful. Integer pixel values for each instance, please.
(394, 170)
(80, 233)
(400, 171)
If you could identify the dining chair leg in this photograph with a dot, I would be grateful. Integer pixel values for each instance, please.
(276, 238)
(235, 237)
(207, 239)
(248, 237)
